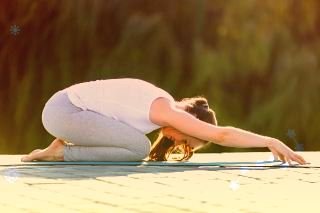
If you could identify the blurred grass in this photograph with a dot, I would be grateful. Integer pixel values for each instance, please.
(257, 62)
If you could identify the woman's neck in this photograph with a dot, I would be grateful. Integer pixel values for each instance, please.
(180, 105)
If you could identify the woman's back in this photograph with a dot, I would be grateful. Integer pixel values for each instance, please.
(125, 99)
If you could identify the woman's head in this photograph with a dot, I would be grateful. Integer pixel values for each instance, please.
(171, 140)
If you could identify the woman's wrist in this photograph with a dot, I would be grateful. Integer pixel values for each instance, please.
(270, 142)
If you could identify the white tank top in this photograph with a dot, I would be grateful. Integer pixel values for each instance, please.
(124, 99)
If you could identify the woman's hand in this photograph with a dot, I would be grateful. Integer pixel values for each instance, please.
(286, 154)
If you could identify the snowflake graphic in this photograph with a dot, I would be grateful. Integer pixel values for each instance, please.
(234, 185)
(11, 175)
(292, 135)
(15, 30)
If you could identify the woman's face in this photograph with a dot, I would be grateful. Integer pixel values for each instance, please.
(180, 138)
(195, 143)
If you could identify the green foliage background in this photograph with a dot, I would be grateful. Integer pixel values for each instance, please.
(256, 61)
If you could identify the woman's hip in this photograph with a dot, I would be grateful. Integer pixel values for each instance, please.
(57, 109)
(60, 99)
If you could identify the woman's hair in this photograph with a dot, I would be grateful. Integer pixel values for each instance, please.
(164, 145)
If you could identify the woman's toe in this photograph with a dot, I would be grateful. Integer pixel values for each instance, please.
(25, 158)
(30, 156)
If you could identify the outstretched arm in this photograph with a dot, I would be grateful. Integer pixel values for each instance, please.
(168, 114)
(225, 136)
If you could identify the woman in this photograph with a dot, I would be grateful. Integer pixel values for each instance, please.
(106, 120)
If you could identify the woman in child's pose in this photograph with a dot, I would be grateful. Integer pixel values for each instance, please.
(106, 120)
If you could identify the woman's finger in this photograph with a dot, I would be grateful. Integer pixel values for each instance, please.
(275, 154)
(300, 158)
(282, 158)
(288, 160)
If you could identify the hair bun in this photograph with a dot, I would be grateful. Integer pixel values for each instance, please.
(202, 103)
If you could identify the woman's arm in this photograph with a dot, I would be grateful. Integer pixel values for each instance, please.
(165, 113)
(225, 136)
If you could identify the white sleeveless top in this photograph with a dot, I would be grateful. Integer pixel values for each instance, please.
(124, 99)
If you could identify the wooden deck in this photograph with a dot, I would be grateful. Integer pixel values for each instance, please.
(112, 188)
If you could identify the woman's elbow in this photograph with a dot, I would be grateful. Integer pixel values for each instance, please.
(221, 134)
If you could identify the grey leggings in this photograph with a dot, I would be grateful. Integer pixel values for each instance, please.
(93, 136)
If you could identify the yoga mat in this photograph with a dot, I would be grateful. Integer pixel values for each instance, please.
(159, 163)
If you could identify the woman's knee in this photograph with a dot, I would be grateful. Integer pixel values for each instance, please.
(56, 115)
(48, 120)
(142, 149)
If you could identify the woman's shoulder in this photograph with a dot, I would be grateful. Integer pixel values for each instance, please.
(159, 110)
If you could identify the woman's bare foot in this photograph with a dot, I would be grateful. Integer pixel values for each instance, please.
(35, 151)
(54, 152)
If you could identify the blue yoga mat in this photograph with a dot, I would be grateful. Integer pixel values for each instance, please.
(154, 163)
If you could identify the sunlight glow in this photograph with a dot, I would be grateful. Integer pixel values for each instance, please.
(270, 158)
(11, 175)
(244, 171)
